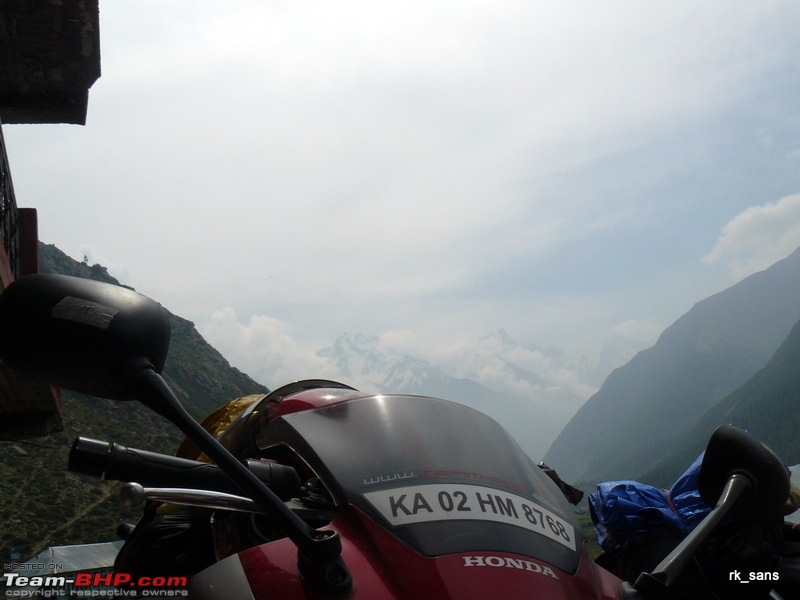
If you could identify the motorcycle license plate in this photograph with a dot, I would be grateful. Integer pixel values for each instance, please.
(443, 502)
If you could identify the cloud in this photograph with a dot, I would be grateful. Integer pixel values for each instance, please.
(758, 237)
(263, 348)
(494, 360)
(266, 349)
(369, 166)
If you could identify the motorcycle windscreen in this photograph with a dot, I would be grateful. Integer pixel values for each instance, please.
(442, 477)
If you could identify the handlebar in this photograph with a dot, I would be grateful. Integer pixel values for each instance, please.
(108, 460)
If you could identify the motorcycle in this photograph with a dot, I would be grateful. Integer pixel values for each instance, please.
(320, 491)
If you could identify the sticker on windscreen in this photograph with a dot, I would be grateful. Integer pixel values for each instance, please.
(433, 502)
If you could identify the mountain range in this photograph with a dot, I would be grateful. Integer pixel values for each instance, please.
(644, 410)
(732, 358)
(531, 391)
(766, 405)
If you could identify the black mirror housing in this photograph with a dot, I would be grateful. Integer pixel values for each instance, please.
(733, 451)
(80, 334)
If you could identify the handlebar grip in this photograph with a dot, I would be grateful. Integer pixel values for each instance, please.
(108, 460)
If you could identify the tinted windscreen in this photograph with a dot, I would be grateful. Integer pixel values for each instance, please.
(441, 476)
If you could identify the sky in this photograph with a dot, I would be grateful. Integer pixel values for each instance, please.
(284, 172)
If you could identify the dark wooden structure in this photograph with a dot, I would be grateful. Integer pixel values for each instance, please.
(49, 58)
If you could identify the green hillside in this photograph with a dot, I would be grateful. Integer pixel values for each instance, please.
(643, 409)
(41, 504)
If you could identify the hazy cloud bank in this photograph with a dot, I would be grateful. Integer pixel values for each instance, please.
(758, 237)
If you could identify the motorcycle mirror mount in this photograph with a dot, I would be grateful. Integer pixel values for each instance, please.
(109, 341)
(739, 477)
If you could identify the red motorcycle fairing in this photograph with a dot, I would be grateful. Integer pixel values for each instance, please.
(431, 499)
(383, 568)
(416, 465)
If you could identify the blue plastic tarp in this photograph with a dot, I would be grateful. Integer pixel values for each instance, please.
(625, 513)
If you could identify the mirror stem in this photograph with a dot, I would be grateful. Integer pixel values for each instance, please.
(319, 552)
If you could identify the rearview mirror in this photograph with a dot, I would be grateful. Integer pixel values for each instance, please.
(80, 334)
(731, 451)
